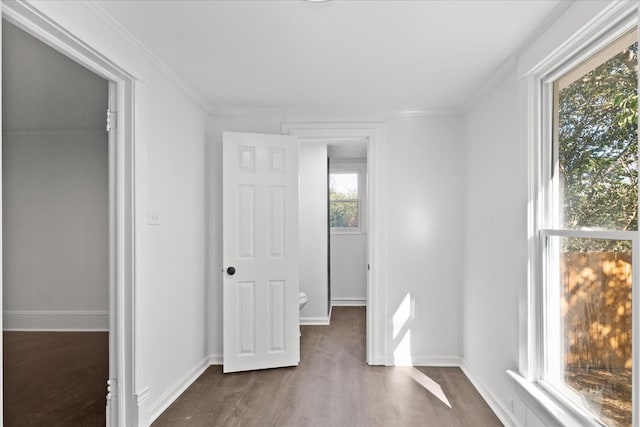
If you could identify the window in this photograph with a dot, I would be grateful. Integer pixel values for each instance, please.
(343, 200)
(346, 197)
(588, 232)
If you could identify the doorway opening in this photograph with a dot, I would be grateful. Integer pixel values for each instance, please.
(55, 188)
(333, 227)
(375, 135)
(348, 235)
(311, 136)
(116, 244)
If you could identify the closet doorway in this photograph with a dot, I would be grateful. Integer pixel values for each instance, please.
(119, 400)
(55, 189)
(36, 110)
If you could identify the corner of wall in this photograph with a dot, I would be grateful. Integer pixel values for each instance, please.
(215, 359)
(173, 392)
(505, 415)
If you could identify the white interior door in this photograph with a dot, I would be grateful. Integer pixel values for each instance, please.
(260, 251)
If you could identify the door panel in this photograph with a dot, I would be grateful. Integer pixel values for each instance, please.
(260, 238)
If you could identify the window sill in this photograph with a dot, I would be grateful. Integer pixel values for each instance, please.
(548, 407)
(337, 232)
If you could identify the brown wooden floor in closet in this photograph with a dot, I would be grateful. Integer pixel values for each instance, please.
(333, 386)
(55, 378)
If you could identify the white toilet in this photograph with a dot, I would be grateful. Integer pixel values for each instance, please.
(302, 300)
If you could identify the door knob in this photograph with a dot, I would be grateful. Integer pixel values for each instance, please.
(231, 271)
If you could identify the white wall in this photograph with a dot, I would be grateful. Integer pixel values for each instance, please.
(172, 292)
(425, 231)
(425, 235)
(55, 189)
(55, 225)
(348, 268)
(170, 133)
(496, 246)
(496, 236)
(313, 231)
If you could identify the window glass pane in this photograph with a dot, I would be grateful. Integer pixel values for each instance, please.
(596, 140)
(343, 214)
(343, 200)
(589, 348)
(343, 186)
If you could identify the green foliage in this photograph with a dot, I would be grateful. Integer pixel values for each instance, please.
(343, 214)
(598, 148)
(343, 206)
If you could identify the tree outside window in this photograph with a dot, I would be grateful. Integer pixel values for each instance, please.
(343, 200)
(587, 239)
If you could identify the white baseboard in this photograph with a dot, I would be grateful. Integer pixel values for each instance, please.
(55, 320)
(169, 396)
(215, 359)
(378, 361)
(141, 415)
(322, 320)
(503, 414)
(349, 302)
(433, 361)
(437, 361)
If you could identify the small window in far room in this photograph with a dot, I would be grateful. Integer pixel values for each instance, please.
(344, 209)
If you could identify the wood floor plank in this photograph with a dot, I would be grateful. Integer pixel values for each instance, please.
(332, 386)
(55, 378)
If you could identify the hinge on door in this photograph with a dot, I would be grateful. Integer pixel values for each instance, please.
(112, 120)
(110, 408)
(111, 389)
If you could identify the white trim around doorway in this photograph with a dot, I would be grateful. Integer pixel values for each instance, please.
(123, 406)
(375, 133)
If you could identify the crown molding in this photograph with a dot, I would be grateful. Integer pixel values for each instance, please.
(511, 62)
(335, 111)
(496, 77)
(141, 48)
(618, 13)
(543, 26)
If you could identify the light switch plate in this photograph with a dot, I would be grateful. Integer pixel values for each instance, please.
(153, 218)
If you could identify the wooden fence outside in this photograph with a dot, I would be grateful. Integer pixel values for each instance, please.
(597, 309)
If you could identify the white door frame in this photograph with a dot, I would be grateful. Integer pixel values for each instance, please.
(121, 204)
(375, 132)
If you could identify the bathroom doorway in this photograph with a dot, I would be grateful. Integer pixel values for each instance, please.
(314, 233)
(334, 223)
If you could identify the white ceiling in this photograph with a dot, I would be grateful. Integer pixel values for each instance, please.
(391, 55)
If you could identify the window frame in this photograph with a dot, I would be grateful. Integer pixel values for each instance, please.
(352, 166)
(543, 222)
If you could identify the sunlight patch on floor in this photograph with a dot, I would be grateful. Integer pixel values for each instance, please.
(427, 383)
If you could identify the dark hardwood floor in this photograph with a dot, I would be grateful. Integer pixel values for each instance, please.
(55, 378)
(333, 386)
